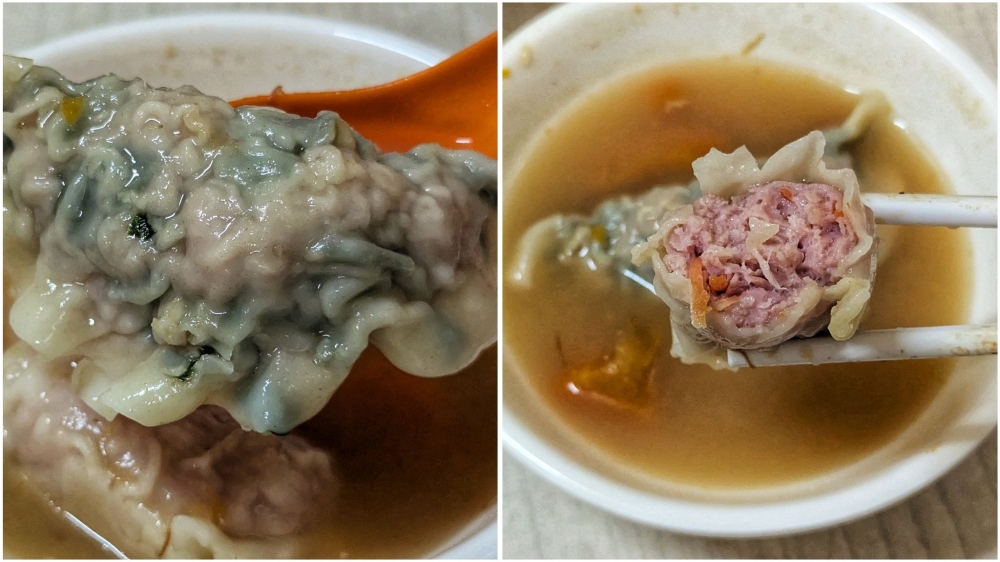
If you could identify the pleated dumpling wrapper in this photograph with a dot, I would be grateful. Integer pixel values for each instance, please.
(247, 256)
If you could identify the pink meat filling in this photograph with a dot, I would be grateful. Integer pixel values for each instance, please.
(813, 238)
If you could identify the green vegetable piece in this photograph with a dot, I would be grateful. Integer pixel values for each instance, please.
(140, 228)
(187, 372)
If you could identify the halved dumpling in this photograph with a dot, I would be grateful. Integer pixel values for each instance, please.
(766, 254)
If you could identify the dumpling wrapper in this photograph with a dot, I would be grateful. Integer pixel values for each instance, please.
(249, 255)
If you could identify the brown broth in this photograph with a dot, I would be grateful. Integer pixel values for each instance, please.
(418, 458)
(33, 528)
(699, 426)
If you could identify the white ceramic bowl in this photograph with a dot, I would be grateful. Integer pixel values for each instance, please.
(954, 114)
(234, 55)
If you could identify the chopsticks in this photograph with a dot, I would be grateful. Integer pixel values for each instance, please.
(874, 345)
(933, 210)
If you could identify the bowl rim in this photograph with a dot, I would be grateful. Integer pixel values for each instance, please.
(888, 486)
(239, 21)
(478, 538)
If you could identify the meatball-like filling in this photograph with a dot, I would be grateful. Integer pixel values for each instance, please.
(748, 258)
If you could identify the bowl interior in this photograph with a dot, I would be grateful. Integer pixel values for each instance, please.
(550, 62)
(239, 55)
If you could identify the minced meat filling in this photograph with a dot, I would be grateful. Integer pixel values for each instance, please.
(755, 252)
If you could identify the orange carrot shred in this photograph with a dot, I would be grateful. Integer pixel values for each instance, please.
(699, 296)
(838, 213)
(718, 283)
(786, 193)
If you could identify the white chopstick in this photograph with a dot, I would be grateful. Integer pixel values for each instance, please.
(874, 345)
(933, 210)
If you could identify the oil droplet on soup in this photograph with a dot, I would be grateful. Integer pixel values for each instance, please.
(695, 425)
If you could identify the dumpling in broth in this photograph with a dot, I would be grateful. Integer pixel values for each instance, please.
(199, 487)
(791, 248)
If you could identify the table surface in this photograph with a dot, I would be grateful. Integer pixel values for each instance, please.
(954, 518)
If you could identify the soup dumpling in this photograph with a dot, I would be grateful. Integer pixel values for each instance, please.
(765, 254)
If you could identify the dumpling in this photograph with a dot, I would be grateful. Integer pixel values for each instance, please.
(250, 255)
(602, 242)
(765, 254)
(196, 488)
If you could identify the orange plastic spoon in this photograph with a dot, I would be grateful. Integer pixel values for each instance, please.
(453, 104)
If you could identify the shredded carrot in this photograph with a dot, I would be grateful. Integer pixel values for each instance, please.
(838, 213)
(620, 378)
(718, 283)
(786, 193)
(699, 296)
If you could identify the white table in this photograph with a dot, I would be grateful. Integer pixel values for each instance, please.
(955, 518)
